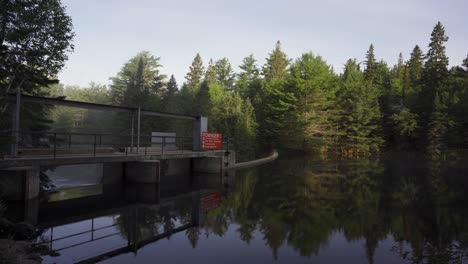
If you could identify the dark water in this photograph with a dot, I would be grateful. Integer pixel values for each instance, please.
(297, 210)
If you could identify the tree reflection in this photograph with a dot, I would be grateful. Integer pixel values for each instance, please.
(302, 202)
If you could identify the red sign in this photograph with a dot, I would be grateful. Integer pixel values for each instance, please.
(210, 201)
(211, 140)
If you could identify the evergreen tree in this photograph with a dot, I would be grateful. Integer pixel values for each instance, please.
(224, 73)
(236, 119)
(276, 64)
(138, 83)
(415, 65)
(435, 118)
(170, 96)
(400, 62)
(435, 68)
(465, 63)
(313, 84)
(195, 75)
(211, 74)
(202, 103)
(358, 117)
(275, 102)
(371, 66)
(248, 82)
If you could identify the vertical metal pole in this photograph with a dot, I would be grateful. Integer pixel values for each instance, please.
(69, 141)
(55, 145)
(92, 229)
(133, 131)
(163, 144)
(16, 124)
(94, 150)
(138, 129)
(51, 237)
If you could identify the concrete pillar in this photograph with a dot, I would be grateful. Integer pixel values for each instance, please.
(200, 125)
(112, 173)
(208, 164)
(229, 158)
(146, 171)
(20, 183)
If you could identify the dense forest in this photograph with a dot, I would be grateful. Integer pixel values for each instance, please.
(300, 104)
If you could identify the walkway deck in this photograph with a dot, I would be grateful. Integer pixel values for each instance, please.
(50, 160)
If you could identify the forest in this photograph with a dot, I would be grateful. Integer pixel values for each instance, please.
(418, 104)
(300, 104)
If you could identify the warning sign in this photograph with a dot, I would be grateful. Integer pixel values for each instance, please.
(210, 201)
(211, 140)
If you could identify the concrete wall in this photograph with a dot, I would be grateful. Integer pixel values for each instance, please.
(147, 171)
(20, 183)
(175, 166)
(113, 173)
(208, 165)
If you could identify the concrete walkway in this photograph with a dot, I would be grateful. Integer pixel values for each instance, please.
(49, 160)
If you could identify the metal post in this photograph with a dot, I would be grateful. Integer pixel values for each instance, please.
(55, 145)
(92, 229)
(95, 137)
(51, 237)
(163, 144)
(133, 131)
(138, 129)
(16, 124)
(69, 141)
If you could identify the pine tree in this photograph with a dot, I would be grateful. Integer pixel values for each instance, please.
(275, 100)
(400, 62)
(210, 74)
(434, 115)
(435, 68)
(195, 75)
(313, 85)
(169, 98)
(415, 65)
(358, 118)
(202, 103)
(465, 63)
(276, 64)
(370, 70)
(138, 83)
(224, 73)
(248, 82)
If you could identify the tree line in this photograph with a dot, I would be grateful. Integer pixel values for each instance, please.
(300, 104)
(303, 104)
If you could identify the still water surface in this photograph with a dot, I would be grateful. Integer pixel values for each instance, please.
(296, 210)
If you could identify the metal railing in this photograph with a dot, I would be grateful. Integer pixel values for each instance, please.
(55, 144)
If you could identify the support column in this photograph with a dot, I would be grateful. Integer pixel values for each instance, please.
(16, 125)
(200, 125)
(133, 132)
(145, 171)
(22, 183)
(138, 136)
(208, 165)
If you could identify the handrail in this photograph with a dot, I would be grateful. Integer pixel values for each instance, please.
(241, 165)
(51, 143)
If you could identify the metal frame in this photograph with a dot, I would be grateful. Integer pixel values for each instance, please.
(18, 97)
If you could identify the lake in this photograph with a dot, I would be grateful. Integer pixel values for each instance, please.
(398, 209)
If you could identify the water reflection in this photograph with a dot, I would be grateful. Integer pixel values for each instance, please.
(397, 210)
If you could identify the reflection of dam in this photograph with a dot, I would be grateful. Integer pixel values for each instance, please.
(102, 221)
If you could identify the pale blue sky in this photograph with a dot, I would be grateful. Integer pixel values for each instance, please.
(110, 32)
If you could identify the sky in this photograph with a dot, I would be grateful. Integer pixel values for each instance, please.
(110, 32)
